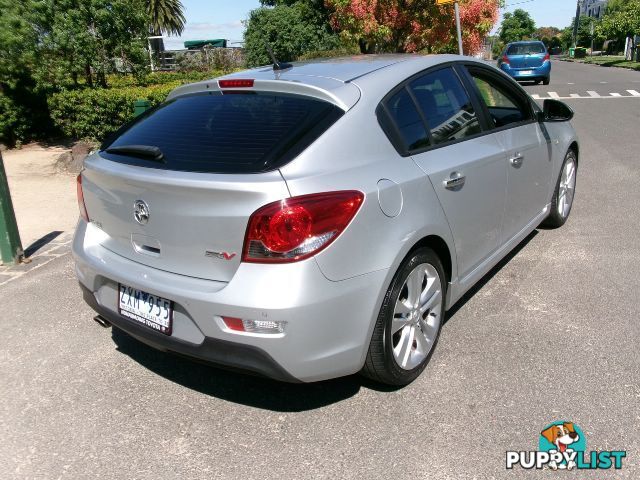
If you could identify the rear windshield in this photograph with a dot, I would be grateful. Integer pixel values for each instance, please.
(224, 133)
(526, 49)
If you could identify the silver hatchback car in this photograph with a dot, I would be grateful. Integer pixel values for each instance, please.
(317, 221)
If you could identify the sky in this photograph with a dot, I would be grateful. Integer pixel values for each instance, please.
(207, 19)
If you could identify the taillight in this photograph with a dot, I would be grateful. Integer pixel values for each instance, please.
(236, 83)
(505, 59)
(81, 205)
(547, 57)
(297, 228)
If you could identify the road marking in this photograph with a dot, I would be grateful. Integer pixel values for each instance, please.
(570, 83)
(590, 94)
(603, 82)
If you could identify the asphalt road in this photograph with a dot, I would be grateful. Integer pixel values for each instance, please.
(552, 334)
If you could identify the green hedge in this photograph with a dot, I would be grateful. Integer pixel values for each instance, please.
(95, 113)
(160, 78)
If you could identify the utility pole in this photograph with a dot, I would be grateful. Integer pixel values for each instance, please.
(457, 14)
(10, 246)
(576, 24)
(459, 28)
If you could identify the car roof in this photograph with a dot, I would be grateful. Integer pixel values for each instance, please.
(331, 79)
(343, 69)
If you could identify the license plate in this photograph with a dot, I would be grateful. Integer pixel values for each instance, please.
(526, 72)
(150, 310)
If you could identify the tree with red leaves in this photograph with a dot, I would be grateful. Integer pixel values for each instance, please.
(412, 25)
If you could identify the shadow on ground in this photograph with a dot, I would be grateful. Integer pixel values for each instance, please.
(240, 387)
(261, 392)
(484, 280)
(41, 242)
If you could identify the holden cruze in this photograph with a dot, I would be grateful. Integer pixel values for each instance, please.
(317, 221)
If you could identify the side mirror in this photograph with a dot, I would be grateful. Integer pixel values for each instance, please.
(556, 111)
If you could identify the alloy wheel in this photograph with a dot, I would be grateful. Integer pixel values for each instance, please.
(417, 316)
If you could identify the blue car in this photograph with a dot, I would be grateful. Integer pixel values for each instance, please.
(526, 61)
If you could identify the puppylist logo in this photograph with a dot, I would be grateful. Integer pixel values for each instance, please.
(563, 446)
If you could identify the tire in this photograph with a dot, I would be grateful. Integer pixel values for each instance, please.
(546, 81)
(416, 331)
(537, 81)
(560, 210)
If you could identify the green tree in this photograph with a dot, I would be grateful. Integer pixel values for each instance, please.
(548, 32)
(21, 103)
(291, 28)
(52, 45)
(88, 39)
(621, 19)
(166, 16)
(584, 33)
(517, 26)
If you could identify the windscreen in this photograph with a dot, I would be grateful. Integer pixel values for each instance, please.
(526, 49)
(235, 132)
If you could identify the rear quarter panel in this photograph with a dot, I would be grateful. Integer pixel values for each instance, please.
(356, 154)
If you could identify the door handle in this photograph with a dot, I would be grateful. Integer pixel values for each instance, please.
(455, 180)
(516, 160)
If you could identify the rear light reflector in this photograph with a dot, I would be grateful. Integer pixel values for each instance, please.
(505, 59)
(248, 83)
(254, 326)
(81, 205)
(234, 323)
(299, 227)
(547, 57)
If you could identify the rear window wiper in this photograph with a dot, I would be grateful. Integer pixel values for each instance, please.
(147, 152)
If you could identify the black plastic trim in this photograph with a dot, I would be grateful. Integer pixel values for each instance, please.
(222, 353)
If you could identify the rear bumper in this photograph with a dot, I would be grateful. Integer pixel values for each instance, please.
(219, 352)
(328, 324)
(544, 71)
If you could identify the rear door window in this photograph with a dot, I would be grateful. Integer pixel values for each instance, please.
(446, 106)
(404, 114)
(224, 133)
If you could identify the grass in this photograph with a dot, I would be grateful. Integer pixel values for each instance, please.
(609, 61)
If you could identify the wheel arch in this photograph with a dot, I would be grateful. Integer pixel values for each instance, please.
(440, 247)
(576, 149)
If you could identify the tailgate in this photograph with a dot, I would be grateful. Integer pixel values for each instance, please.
(196, 221)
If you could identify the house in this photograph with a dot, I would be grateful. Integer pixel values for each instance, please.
(593, 8)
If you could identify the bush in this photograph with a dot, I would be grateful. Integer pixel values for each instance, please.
(337, 52)
(161, 78)
(95, 113)
(222, 59)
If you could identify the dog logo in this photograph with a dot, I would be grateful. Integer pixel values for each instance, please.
(563, 438)
(562, 445)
